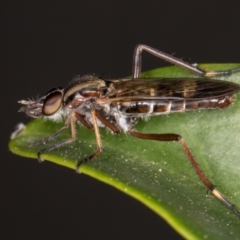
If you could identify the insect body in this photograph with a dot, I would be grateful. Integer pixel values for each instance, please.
(118, 104)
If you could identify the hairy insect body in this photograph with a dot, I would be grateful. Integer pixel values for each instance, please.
(121, 103)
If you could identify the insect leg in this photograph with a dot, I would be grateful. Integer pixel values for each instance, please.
(108, 124)
(137, 63)
(95, 114)
(71, 122)
(82, 120)
(98, 140)
(51, 137)
(198, 170)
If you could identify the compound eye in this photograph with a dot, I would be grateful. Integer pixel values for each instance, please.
(52, 103)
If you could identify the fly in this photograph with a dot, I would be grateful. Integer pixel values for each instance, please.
(118, 104)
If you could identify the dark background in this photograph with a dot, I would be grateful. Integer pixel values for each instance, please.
(43, 45)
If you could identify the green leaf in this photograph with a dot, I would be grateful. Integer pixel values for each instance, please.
(158, 173)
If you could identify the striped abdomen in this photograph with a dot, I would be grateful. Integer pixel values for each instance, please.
(169, 106)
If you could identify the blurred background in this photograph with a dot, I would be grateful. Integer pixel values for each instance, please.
(43, 45)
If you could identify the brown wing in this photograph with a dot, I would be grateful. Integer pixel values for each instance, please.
(172, 88)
